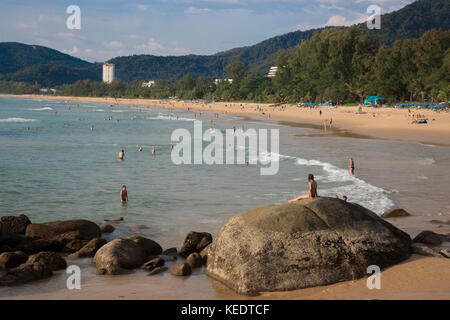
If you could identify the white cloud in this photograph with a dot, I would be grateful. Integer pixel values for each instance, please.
(142, 7)
(194, 10)
(113, 44)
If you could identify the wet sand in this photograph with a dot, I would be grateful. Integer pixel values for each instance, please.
(416, 278)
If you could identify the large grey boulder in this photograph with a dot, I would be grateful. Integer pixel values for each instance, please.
(118, 255)
(308, 243)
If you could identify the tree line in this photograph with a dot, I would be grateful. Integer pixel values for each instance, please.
(337, 65)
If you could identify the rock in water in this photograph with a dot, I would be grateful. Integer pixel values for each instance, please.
(428, 237)
(107, 228)
(119, 254)
(305, 244)
(89, 249)
(16, 224)
(24, 273)
(395, 213)
(181, 269)
(151, 247)
(64, 231)
(51, 260)
(10, 260)
(195, 242)
(194, 260)
(153, 264)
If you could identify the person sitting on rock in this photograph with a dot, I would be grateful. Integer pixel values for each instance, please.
(312, 190)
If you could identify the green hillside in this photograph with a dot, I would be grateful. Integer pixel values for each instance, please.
(48, 67)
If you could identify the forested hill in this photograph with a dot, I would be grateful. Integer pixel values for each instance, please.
(49, 67)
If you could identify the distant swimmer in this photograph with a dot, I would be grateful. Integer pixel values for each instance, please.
(171, 147)
(352, 166)
(344, 198)
(28, 128)
(312, 190)
(140, 149)
(153, 151)
(121, 155)
(92, 128)
(124, 194)
(114, 219)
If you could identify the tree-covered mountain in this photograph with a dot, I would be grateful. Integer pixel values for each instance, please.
(48, 67)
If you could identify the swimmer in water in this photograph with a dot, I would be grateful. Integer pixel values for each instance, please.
(171, 147)
(124, 194)
(114, 219)
(140, 149)
(153, 151)
(312, 190)
(121, 155)
(92, 128)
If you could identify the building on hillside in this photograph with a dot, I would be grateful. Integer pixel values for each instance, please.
(272, 72)
(217, 81)
(108, 72)
(149, 84)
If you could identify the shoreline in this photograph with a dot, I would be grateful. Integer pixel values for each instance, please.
(388, 123)
(430, 274)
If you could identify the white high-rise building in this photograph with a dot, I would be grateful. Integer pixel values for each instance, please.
(108, 72)
(272, 72)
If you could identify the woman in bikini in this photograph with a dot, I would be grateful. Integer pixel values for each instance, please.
(312, 190)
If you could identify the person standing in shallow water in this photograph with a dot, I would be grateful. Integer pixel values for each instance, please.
(352, 166)
(121, 155)
(312, 190)
(124, 194)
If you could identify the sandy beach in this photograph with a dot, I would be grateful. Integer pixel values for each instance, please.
(417, 278)
(386, 123)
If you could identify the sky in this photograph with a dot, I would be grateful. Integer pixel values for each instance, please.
(111, 28)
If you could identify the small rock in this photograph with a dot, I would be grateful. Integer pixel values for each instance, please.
(428, 237)
(153, 264)
(170, 251)
(90, 249)
(9, 260)
(445, 252)
(181, 269)
(204, 255)
(107, 228)
(395, 213)
(424, 250)
(51, 260)
(195, 242)
(194, 260)
(173, 257)
(74, 245)
(157, 270)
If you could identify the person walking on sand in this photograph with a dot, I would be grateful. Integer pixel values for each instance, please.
(352, 166)
(312, 190)
(124, 194)
(121, 155)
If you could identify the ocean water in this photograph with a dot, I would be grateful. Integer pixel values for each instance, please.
(53, 167)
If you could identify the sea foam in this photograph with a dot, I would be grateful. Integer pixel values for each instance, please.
(18, 120)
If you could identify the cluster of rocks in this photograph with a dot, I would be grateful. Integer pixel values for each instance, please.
(33, 251)
(274, 248)
(425, 242)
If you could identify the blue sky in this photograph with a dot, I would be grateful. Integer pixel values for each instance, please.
(111, 28)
